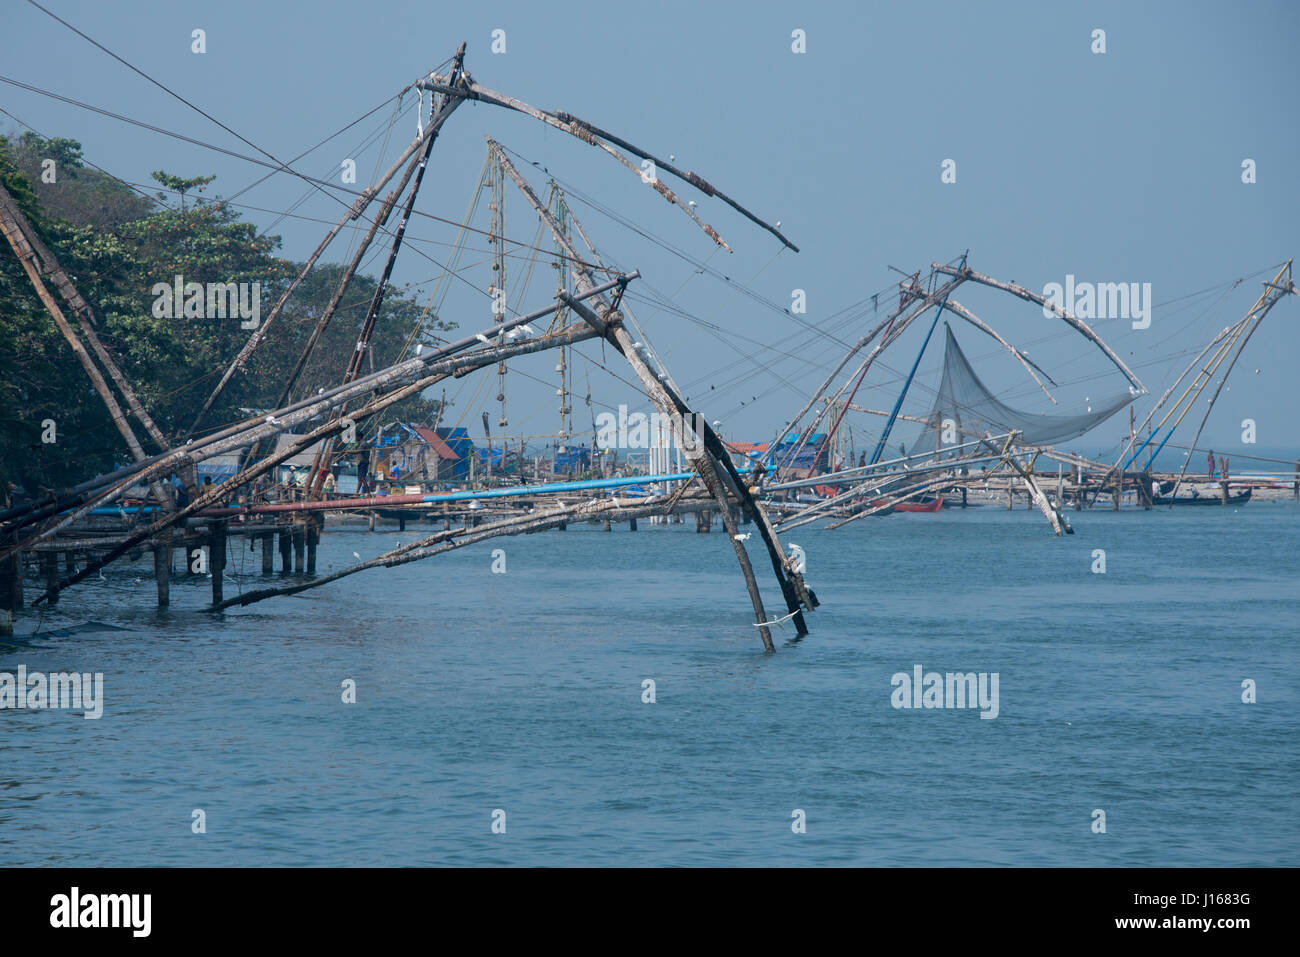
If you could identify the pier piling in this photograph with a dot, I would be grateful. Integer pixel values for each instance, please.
(313, 538)
(217, 560)
(162, 568)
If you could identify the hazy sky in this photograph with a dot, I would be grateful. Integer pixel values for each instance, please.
(1122, 166)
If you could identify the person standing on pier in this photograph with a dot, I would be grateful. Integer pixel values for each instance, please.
(1210, 460)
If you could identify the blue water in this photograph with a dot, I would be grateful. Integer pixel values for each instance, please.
(523, 692)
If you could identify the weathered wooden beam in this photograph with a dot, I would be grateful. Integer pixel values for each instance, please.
(957, 308)
(602, 140)
(885, 324)
(11, 219)
(1030, 296)
(85, 319)
(612, 330)
(353, 212)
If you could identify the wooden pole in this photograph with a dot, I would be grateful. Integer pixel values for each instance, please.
(162, 568)
(217, 560)
(85, 318)
(268, 554)
(10, 224)
(49, 562)
(609, 326)
(313, 537)
(11, 581)
(793, 589)
(353, 212)
(1026, 294)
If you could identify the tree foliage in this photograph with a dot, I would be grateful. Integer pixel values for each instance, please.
(118, 246)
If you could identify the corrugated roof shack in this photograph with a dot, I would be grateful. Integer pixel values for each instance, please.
(413, 453)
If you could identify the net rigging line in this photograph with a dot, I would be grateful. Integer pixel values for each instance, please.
(170, 92)
(259, 162)
(674, 250)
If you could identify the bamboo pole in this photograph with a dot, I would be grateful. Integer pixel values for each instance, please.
(795, 592)
(594, 136)
(453, 538)
(257, 428)
(227, 488)
(85, 318)
(928, 301)
(1026, 294)
(978, 323)
(10, 224)
(1280, 286)
(618, 336)
(355, 211)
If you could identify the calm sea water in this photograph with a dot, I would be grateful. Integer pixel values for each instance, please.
(523, 692)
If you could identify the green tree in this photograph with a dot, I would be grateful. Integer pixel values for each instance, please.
(117, 256)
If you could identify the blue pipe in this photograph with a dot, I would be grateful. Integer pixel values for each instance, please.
(565, 486)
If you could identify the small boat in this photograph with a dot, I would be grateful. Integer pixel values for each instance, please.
(1241, 498)
(921, 505)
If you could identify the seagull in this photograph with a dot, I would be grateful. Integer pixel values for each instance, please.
(742, 538)
(672, 158)
(271, 419)
(778, 224)
(356, 556)
(482, 338)
(692, 203)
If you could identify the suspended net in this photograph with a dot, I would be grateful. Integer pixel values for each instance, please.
(965, 410)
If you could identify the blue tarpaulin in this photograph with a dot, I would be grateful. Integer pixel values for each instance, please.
(458, 441)
(572, 458)
(497, 455)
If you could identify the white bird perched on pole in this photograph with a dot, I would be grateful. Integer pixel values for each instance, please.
(692, 203)
(482, 338)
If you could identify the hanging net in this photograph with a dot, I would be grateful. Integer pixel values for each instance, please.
(965, 410)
